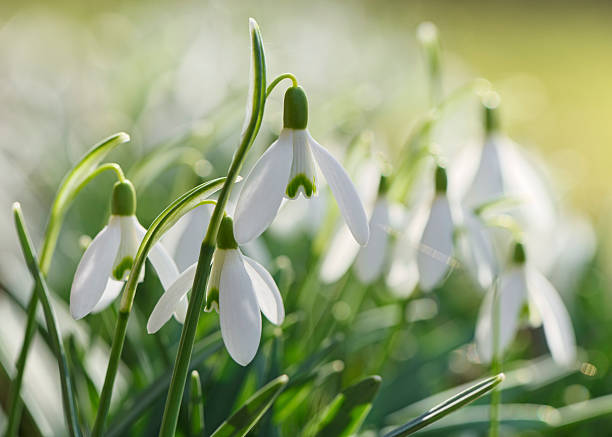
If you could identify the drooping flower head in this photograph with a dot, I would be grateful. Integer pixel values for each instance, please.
(239, 289)
(107, 262)
(287, 169)
(523, 286)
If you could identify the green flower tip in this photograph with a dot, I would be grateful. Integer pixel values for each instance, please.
(212, 300)
(301, 180)
(383, 185)
(225, 237)
(296, 108)
(490, 103)
(124, 198)
(518, 255)
(441, 179)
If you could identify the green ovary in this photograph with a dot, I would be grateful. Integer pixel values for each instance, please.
(301, 180)
(124, 265)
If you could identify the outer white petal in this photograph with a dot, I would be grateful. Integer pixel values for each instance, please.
(164, 265)
(184, 239)
(372, 256)
(112, 290)
(169, 302)
(436, 246)
(555, 318)
(512, 295)
(477, 251)
(180, 312)
(238, 310)
(340, 255)
(263, 190)
(94, 269)
(344, 191)
(268, 296)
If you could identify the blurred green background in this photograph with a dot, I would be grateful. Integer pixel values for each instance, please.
(175, 73)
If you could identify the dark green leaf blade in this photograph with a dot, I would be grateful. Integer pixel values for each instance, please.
(243, 420)
(454, 403)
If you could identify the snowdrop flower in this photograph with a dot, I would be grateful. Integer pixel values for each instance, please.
(436, 245)
(287, 169)
(239, 289)
(107, 262)
(522, 283)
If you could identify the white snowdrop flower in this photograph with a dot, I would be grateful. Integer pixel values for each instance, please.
(523, 284)
(239, 289)
(434, 256)
(287, 169)
(107, 262)
(372, 257)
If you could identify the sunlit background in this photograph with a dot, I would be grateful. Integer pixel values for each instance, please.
(174, 75)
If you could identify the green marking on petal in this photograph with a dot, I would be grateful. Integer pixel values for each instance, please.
(212, 300)
(301, 180)
(124, 265)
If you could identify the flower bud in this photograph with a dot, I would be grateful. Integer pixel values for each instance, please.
(295, 108)
(124, 198)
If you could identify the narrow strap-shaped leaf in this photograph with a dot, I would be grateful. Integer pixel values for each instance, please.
(43, 294)
(140, 404)
(439, 411)
(243, 420)
(196, 406)
(347, 411)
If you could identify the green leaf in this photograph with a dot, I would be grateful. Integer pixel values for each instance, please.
(347, 411)
(196, 405)
(454, 403)
(243, 420)
(74, 180)
(43, 294)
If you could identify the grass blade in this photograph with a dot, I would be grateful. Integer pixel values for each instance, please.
(52, 327)
(454, 403)
(243, 420)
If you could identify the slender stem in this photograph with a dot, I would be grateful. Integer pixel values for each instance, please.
(496, 364)
(280, 79)
(111, 372)
(198, 290)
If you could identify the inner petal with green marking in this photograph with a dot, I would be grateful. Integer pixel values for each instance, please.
(302, 176)
(122, 268)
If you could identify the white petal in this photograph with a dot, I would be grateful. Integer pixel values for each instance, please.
(268, 296)
(488, 183)
(169, 302)
(184, 239)
(512, 295)
(436, 246)
(238, 310)
(477, 251)
(372, 256)
(94, 269)
(344, 191)
(112, 290)
(340, 255)
(555, 318)
(180, 312)
(263, 190)
(164, 266)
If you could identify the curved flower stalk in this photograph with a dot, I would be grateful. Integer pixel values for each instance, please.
(287, 169)
(435, 251)
(108, 260)
(521, 284)
(239, 289)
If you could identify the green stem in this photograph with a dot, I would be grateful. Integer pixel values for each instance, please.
(111, 372)
(280, 79)
(198, 291)
(496, 365)
(52, 327)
